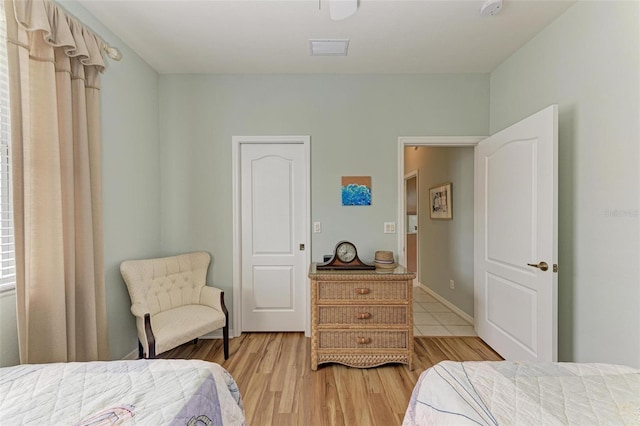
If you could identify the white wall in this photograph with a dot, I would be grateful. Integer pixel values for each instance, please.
(354, 122)
(130, 184)
(587, 62)
(446, 246)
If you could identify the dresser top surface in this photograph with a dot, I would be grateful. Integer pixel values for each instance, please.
(399, 273)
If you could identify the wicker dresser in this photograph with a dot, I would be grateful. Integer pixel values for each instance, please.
(361, 318)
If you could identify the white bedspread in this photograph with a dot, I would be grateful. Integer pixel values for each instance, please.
(143, 392)
(510, 393)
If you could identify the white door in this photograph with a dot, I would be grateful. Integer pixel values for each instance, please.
(516, 225)
(274, 222)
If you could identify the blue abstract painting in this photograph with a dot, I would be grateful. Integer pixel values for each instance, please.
(356, 190)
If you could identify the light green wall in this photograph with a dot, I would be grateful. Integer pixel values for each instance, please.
(130, 184)
(8, 330)
(587, 62)
(446, 246)
(354, 122)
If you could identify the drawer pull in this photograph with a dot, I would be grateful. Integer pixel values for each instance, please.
(363, 315)
(363, 340)
(363, 290)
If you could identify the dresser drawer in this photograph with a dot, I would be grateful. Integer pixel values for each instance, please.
(363, 339)
(362, 315)
(362, 290)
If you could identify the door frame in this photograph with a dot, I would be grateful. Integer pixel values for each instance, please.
(433, 141)
(412, 174)
(237, 142)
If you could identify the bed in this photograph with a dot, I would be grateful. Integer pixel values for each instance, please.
(142, 392)
(510, 393)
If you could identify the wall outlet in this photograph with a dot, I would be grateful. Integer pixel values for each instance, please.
(452, 285)
(317, 227)
(389, 227)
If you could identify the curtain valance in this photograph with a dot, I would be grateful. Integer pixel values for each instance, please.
(59, 29)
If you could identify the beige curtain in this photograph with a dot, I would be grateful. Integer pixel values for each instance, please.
(54, 71)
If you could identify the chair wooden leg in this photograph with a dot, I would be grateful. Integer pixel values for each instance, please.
(225, 341)
(151, 339)
(225, 329)
(140, 352)
(195, 341)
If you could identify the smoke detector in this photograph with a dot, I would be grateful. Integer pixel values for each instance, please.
(491, 8)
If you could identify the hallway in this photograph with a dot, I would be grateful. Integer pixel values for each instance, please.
(432, 318)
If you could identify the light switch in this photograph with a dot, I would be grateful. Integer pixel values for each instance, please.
(317, 227)
(389, 227)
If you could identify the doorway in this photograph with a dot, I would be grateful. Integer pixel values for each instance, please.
(444, 283)
(515, 250)
(418, 141)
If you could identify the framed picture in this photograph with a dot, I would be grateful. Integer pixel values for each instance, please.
(441, 202)
(356, 190)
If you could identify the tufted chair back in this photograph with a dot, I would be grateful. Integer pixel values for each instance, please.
(168, 282)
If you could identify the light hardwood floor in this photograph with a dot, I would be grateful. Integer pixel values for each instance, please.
(278, 387)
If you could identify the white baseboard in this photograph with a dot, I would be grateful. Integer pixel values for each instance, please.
(218, 334)
(215, 335)
(131, 355)
(445, 302)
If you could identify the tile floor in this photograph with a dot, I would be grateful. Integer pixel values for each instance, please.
(432, 318)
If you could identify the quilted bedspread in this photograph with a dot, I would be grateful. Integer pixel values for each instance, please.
(143, 392)
(512, 393)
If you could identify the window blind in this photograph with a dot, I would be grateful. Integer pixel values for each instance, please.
(7, 251)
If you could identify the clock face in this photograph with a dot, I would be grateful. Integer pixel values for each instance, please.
(346, 252)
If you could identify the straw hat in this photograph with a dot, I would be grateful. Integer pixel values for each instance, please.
(384, 260)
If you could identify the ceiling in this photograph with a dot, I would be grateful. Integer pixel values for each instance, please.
(395, 36)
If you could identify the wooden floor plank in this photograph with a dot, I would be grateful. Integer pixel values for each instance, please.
(380, 410)
(279, 388)
(259, 410)
(346, 390)
(288, 390)
(398, 385)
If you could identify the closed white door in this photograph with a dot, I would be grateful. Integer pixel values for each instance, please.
(274, 222)
(515, 237)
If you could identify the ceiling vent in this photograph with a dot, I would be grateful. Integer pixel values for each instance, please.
(328, 47)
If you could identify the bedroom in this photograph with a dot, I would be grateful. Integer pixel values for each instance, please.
(157, 141)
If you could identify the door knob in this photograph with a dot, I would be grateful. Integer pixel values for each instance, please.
(542, 265)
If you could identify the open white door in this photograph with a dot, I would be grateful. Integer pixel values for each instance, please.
(516, 235)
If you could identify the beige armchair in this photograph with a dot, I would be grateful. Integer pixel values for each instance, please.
(172, 303)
